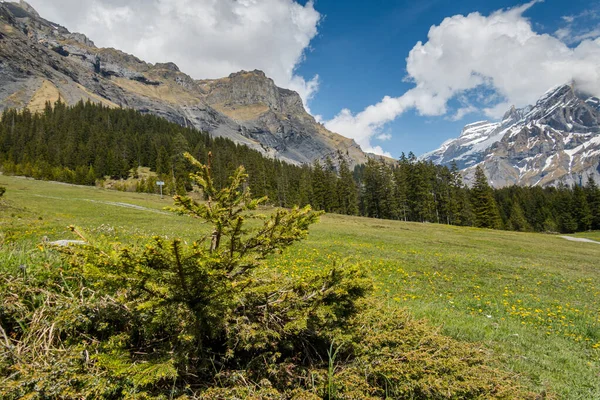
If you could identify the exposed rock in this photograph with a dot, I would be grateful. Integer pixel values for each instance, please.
(557, 140)
(40, 61)
(168, 66)
(25, 6)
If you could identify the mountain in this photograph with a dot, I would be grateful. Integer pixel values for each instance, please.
(556, 140)
(41, 61)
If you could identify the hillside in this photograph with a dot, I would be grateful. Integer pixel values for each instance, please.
(42, 61)
(556, 140)
(530, 300)
(91, 144)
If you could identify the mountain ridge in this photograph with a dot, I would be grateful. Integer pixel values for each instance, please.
(557, 140)
(42, 61)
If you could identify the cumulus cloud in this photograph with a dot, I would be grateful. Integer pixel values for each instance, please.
(364, 125)
(206, 38)
(500, 53)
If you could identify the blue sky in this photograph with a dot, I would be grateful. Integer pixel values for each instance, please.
(396, 76)
(360, 56)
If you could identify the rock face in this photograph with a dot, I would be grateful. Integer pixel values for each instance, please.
(557, 140)
(41, 61)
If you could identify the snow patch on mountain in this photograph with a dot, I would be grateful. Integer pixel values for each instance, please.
(555, 140)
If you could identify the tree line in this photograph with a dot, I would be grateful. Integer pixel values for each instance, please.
(88, 142)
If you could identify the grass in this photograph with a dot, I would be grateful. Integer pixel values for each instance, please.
(532, 300)
(589, 235)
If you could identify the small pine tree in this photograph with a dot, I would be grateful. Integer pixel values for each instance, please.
(186, 308)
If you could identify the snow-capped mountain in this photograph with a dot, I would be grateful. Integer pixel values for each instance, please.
(557, 140)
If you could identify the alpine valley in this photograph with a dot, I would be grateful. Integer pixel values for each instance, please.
(41, 61)
(556, 140)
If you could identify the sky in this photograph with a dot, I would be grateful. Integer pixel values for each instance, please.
(396, 76)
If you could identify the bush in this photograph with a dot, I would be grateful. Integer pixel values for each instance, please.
(207, 320)
(2, 191)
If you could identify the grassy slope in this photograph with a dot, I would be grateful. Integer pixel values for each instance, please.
(533, 300)
(589, 235)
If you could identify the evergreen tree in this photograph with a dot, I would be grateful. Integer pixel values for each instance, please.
(347, 191)
(457, 198)
(593, 199)
(420, 191)
(517, 220)
(401, 188)
(305, 187)
(563, 209)
(86, 142)
(485, 208)
(330, 188)
(582, 212)
(319, 187)
(378, 190)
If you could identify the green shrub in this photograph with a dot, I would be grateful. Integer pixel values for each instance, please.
(208, 320)
(2, 191)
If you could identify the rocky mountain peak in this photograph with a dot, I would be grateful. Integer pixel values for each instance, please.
(515, 115)
(564, 109)
(42, 61)
(474, 127)
(509, 113)
(169, 66)
(245, 74)
(557, 139)
(27, 7)
(20, 10)
(251, 89)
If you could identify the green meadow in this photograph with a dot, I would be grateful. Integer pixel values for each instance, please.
(589, 235)
(531, 301)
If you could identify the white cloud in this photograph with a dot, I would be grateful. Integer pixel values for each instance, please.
(205, 38)
(364, 125)
(384, 136)
(591, 34)
(563, 33)
(462, 112)
(578, 28)
(500, 53)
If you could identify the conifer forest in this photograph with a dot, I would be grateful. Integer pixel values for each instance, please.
(86, 143)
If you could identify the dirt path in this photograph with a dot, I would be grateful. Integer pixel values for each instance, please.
(111, 203)
(576, 239)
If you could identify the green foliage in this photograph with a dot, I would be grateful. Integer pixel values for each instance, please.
(173, 316)
(485, 208)
(517, 220)
(377, 197)
(86, 143)
(592, 192)
(399, 357)
(347, 192)
(209, 320)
